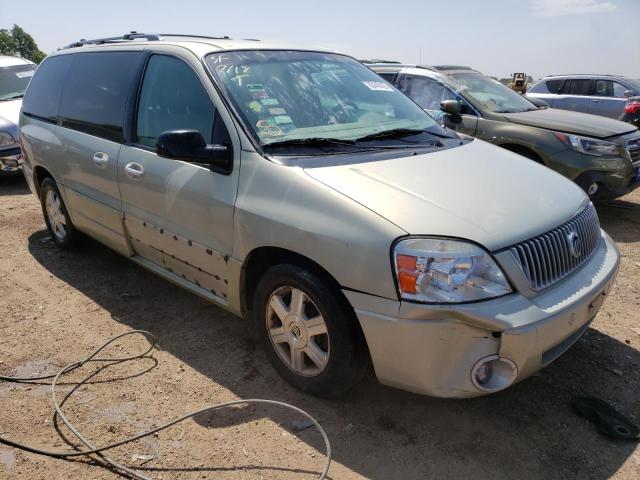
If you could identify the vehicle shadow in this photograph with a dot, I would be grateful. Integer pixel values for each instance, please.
(621, 218)
(13, 184)
(528, 431)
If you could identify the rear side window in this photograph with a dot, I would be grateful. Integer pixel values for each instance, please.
(577, 87)
(554, 86)
(172, 98)
(95, 93)
(43, 93)
(389, 77)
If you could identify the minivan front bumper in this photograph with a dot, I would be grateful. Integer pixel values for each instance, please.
(433, 349)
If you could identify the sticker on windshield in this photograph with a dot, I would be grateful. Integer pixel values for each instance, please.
(269, 101)
(383, 86)
(277, 111)
(26, 73)
(267, 130)
(283, 119)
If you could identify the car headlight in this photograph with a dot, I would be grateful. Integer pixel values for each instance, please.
(435, 270)
(588, 146)
(6, 139)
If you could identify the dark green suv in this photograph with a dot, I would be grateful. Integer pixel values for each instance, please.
(600, 154)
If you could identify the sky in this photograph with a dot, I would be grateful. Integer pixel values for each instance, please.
(497, 37)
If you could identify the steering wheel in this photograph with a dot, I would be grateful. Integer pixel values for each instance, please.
(345, 111)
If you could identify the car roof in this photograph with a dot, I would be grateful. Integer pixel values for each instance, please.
(198, 44)
(7, 61)
(438, 72)
(588, 75)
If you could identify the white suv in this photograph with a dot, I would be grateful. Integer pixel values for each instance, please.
(15, 74)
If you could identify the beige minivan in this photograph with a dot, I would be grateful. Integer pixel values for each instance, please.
(300, 190)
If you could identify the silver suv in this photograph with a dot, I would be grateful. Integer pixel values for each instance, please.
(300, 190)
(604, 95)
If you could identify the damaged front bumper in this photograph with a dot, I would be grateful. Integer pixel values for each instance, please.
(10, 160)
(433, 349)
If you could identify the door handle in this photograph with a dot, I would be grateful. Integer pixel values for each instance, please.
(101, 159)
(134, 170)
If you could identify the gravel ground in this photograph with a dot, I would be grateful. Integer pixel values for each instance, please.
(56, 307)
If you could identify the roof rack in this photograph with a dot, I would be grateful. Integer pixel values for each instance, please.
(133, 35)
(375, 60)
(451, 67)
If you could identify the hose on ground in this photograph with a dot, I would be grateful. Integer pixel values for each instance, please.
(98, 451)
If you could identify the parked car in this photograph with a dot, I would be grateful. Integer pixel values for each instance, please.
(601, 155)
(604, 95)
(631, 112)
(299, 189)
(15, 74)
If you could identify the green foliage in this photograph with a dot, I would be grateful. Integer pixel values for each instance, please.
(18, 42)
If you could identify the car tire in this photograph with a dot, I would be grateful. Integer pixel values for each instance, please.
(56, 216)
(308, 331)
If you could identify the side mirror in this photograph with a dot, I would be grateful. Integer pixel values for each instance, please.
(629, 93)
(451, 107)
(190, 146)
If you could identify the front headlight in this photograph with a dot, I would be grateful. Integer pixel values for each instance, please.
(588, 146)
(435, 270)
(6, 139)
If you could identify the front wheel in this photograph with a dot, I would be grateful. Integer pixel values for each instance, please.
(309, 334)
(56, 216)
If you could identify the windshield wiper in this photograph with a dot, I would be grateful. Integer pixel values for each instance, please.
(310, 142)
(393, 133)
(20, 95)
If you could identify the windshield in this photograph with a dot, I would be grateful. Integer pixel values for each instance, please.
(288, 97)
(14, 80)
(489, 94)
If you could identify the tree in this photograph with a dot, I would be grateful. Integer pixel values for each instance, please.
(18, 42)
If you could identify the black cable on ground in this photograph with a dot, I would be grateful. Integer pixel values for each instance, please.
(98, 451)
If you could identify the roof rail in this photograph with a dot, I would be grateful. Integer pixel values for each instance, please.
(133, 35)
(128, 36)
(375, 60)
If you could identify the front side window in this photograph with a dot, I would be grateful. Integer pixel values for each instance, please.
(425, 92)
(488, 94)
(14, 80)
(298, 96)
(618, 90)
(173, 98)
(604, 88)
(95, 93)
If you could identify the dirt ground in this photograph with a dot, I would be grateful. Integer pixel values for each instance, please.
(56, 307)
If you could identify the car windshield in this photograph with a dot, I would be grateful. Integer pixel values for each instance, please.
(14, 81)
(635, 84)
(310, 98)
(489, 94)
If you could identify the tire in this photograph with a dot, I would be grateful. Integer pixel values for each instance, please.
(332, 362)
(56, 216)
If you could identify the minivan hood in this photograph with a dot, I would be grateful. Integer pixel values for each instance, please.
(477, 191)
(10, 110)
(570, 122)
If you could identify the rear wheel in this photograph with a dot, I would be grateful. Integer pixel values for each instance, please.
(307, 331)
(55, 215)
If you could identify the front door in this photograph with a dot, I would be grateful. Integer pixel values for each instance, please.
(178, 215)
(608, 99)
(428, 93)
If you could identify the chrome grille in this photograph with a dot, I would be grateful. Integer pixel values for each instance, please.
(550, 257)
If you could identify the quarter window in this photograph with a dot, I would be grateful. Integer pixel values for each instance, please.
(172, 97)
(95, 93)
